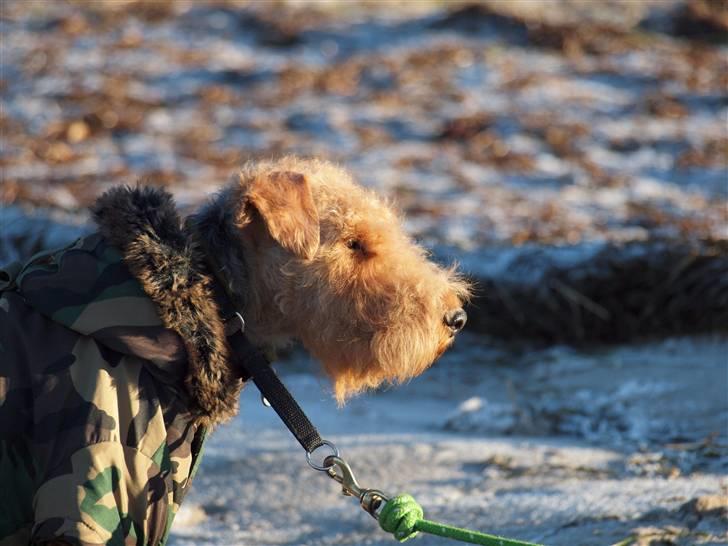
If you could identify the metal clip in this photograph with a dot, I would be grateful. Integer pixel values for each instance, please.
(233, 324)
(371, 500)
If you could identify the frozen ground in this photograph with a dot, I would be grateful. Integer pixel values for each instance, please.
(555, 446)
(486, 129)
(514, 136)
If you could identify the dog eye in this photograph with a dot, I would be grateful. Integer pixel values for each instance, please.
(353, 244)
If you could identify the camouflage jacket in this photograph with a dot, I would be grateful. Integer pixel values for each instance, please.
(112, 370)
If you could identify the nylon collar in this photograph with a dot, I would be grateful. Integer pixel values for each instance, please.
(249, 363)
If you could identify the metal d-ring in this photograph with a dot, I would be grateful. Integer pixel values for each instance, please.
(234, 324)
(331, 446)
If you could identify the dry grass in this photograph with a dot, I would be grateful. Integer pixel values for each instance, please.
(625, 292)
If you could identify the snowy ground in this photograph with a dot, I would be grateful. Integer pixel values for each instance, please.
(506, 134)
(554, 446)
(485, 130)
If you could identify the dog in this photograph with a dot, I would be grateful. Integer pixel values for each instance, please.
(115, 365)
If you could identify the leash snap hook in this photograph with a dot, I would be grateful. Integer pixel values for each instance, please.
(349, 485)
(371, 500)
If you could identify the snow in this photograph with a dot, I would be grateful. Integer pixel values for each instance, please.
(456, 439)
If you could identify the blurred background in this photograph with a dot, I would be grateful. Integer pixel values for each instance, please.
(571, 155)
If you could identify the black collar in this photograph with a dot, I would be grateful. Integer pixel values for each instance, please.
(247, 362)
(206, 228)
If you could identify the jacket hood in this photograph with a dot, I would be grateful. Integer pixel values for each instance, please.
(140, 287)
(143, 223)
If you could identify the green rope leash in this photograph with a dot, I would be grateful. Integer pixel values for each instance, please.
(404, 518)
(401, 515)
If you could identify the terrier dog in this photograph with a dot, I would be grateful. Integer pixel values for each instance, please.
(334, 269)
(133, 368)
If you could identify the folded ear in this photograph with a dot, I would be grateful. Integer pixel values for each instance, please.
(284, 202)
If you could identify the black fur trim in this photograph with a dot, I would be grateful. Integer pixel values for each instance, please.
(144, 224)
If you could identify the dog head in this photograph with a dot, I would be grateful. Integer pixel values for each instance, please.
(329, 263)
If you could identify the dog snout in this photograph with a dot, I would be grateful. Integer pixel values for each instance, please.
(455, 319)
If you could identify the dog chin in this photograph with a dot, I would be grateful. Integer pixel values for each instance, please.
(444, 346)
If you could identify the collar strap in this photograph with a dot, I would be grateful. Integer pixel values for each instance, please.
(253, 364)
(249, 363)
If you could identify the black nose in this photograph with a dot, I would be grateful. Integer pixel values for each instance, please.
(456, 319)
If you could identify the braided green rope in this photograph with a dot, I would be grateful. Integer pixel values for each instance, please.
(403, 517)
(400, 516)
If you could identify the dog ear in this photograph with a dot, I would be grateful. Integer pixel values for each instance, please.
(284, 201)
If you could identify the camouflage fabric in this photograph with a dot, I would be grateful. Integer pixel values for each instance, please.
(97, 444)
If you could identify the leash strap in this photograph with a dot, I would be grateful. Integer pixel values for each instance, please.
(250, 362)
(265, 378)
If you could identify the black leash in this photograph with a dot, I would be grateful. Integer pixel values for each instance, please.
(248, 359)
(250, 363)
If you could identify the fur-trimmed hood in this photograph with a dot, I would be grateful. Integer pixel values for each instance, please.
(144, 225)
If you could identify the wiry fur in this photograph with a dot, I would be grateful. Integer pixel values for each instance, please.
(360, 295)
(143, 223)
